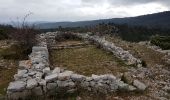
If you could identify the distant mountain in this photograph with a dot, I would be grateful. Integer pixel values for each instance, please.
(161, 19)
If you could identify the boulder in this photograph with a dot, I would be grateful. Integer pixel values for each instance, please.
(140, 86)
(16, 86)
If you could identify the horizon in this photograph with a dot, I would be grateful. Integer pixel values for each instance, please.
(31, 22)
(80, 10)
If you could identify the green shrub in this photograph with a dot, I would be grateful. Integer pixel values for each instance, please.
(161, 41)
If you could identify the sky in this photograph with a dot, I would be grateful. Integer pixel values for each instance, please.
(77, 10)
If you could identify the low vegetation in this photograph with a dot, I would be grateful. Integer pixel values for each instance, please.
(161, 41)
(87, 60)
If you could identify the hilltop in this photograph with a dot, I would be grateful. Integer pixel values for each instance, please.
(161, 19)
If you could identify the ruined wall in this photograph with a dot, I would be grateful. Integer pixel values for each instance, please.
(34, 76)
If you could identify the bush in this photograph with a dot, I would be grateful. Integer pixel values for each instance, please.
(25, 35)
(161, 41)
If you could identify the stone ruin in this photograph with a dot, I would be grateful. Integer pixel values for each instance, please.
(34, 76)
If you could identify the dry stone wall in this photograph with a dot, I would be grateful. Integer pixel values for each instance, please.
(128, 58)
(34, 76)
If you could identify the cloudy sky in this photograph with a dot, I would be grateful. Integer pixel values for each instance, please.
(76, 10)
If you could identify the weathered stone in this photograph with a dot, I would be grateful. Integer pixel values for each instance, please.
(51, 86)
(51, 77)
(69, 84)
(25, 64)
(16, 86)
(89, 79)
(95, 77)
(56, 70)
(85, 84)
(166, 88)
(71, 91)
(140, 86)
(32, 73)
(42, 82)
(38, 75)
(40, 66)
(113, 87)
(131, 88)
(31, 83)
(18, 95)
(38, 49)
(111, 77)
(46, 70)
(122, 86)
(92, 83)
(65, 75)
(127, 78)
(37, 91)
(76, 77)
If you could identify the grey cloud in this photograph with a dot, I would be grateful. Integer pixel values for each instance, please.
(70, 10)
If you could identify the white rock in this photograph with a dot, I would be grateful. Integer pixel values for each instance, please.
(31, 83)
(95, 77)
(51, 77)
(46, 70)
(42, 82)
(16, 86)
(139, 85)
(56, 70)
(76, 77)
(65, 75)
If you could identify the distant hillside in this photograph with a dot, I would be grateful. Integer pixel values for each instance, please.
(152, 20)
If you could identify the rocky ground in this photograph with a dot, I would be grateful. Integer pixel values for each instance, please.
(8, 67)
(156, 74)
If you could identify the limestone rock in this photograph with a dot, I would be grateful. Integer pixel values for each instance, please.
(25, 64)
(42, 82)
(65, 75)
(56, 70)
(46, 70)
(140, 86)
(37, 91)
(16, 86)
(76, 77)
(51, 86)
(31, 83)
(51, 77)
(127, 78)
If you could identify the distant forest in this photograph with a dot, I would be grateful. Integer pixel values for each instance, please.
(125, 31)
